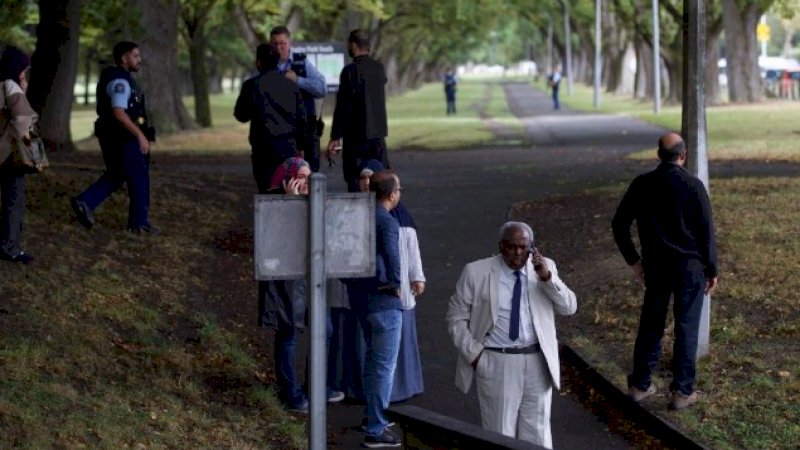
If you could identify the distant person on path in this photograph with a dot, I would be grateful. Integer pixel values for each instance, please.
(380, 313)
(274, 106)
(450, 83)
(297, 68)
(359, 120)
(553, 82)
(679, 259)
(501, 319)
(125, 134)
(16, 116)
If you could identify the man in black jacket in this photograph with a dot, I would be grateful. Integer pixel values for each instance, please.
(679, 258)
(278, 122)
(359, 120)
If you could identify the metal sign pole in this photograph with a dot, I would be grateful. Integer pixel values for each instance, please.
(597, 51)
(317, 439)
(694, 123)
(656, 60)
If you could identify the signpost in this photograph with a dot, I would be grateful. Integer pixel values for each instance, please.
(763, 34)
(327, 57)
(320, 236)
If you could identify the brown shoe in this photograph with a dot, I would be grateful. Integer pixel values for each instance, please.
(681, 401)
(638, 395)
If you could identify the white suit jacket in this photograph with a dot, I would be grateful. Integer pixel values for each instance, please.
(472, 313)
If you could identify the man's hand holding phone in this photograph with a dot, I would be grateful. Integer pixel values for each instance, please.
(539, 265)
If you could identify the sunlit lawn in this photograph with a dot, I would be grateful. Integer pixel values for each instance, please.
(416, 120)
(764, 131)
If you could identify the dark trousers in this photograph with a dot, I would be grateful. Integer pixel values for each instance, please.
(451, 103)
(268, 157)
(311, 154)
(556, 105)
(685, 282)
(125, 163)
(355, 153)
(12, 207)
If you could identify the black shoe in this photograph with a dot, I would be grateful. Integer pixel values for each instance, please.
(363, 427)
(385, 439)
(22, 257)
(82, 212)
(145, 229)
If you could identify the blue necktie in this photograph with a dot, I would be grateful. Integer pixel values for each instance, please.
(513, 325)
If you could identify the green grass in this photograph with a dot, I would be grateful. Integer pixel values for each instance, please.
(417, 120)
(112, 340)
(764, 131)
(749, 382)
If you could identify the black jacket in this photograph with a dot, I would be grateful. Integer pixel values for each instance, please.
(673, 214)
(360, 112)
(274, 107)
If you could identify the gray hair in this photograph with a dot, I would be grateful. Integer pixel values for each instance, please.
(526, 229)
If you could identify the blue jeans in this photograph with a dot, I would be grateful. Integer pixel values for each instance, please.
(125, 163)
(685, 282)
(382, 333)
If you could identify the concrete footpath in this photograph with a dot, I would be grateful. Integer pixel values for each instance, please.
(460, 198)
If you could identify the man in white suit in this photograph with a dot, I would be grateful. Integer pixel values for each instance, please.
(501, 319)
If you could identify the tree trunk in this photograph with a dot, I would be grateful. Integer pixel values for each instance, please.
(712, 66)
(197, 62)
(744, 75)
(159, 76)
(55, 63)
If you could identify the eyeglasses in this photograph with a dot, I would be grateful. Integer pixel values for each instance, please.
(400, 189)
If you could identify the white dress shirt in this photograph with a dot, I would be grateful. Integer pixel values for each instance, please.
(498, 336)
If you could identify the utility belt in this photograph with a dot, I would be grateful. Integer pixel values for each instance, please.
(112, 129)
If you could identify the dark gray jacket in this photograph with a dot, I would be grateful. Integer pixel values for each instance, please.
(361, 101)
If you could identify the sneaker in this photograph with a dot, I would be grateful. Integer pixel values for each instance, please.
(145, 229)
(363, 427)
(637, 395)
(335, 396)
(682, 401)
(302, 408)
(21, 257)
(385, 439)
(82, 212)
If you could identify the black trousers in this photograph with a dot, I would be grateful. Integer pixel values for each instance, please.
(12, 207)
(355, 153)
(267, 158)
(685, 282)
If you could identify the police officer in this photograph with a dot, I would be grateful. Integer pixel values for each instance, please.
(125, 135)
(297, 67)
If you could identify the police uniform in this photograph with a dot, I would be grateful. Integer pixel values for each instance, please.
(122, 156)
(312, 85)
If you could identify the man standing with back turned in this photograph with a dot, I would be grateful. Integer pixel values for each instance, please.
(359, 120)
(679, 259)
(125, 135)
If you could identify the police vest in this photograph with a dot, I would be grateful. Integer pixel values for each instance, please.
(135, 110)
(299, 67)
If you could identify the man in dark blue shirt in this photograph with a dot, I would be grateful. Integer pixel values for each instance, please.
(679, 258)
(380, 312)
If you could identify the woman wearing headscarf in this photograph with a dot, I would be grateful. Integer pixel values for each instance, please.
(408, 372)
(16, 116)
(282, 303)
